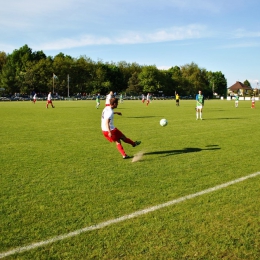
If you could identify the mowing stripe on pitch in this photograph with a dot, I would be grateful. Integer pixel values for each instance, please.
(125, 217)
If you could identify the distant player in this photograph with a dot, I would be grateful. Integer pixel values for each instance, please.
(236, 100)
(49, 100)
(121, 98)
(253, 102)
(108, 97)
(199, 105)
(34, 98)
(143, 98)
(98, 100)
(111, 133)
(177, 98)
(148, 99)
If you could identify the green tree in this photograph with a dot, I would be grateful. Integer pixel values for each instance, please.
(25, 71)
(217, 83)
(115, 76)
(149, 78)
(3, 60)
(127, 70)
(195, 79)
(81, 74)
(14, 70)
(177, 80)
(134, 86)
(61, 67)
(247, 83)
(38, 75)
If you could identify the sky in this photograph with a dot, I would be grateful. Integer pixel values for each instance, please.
(221, 35)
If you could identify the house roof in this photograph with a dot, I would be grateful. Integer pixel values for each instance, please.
(238, 85)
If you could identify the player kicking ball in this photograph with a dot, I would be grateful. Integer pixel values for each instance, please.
(111, 133)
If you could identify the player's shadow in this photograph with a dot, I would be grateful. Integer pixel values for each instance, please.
(226, 118)
(142, 116)
(184, 150)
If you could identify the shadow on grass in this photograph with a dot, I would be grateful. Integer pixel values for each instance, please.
(185, 150)
(226, 118)
(143, 116)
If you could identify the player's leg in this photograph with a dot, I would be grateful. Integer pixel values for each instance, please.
(120, 136)
(116, 136)
(120, 148)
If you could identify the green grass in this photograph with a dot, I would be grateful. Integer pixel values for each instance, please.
(59, 174)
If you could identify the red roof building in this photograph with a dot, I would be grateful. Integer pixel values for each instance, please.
(239, 88)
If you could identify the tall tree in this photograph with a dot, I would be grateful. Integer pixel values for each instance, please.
(115, 77)
(149, 78)
(3, 60)
(13, 72)
(217, 83)
(38, 75)
(195, 79)
(177, 80)
(134, 86)
(247, 83)
(61, 68)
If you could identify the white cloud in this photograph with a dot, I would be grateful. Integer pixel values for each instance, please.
(162, 35)
(244, 44)
(242, 33)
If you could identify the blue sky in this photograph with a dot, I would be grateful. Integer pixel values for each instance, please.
(221, 35)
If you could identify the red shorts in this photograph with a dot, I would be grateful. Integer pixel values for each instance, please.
(49, 102)
(116, 135)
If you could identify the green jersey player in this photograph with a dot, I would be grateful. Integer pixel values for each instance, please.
(199, 105)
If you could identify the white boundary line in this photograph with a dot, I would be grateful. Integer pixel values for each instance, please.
(123, 218)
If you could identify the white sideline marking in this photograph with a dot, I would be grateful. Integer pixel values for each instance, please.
(125, 217)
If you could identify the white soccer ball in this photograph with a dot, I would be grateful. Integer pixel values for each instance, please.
(163, 122)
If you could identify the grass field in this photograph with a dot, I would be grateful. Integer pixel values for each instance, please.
(60, 175)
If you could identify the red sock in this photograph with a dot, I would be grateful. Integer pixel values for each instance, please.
(121, 149)
(129, 141)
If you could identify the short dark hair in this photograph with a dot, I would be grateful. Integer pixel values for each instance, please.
(113, 101)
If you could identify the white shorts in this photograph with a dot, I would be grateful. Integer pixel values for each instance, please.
(199, 107)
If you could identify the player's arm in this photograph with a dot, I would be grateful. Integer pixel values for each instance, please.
(118, 113)
(107, 123)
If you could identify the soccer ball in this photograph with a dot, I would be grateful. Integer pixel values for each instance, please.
(163, 122)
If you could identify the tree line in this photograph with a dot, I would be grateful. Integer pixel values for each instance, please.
(25, 71)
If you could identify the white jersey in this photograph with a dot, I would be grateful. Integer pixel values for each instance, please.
(34, 97)
(49, 97)
(108, 97)
(107, 113)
